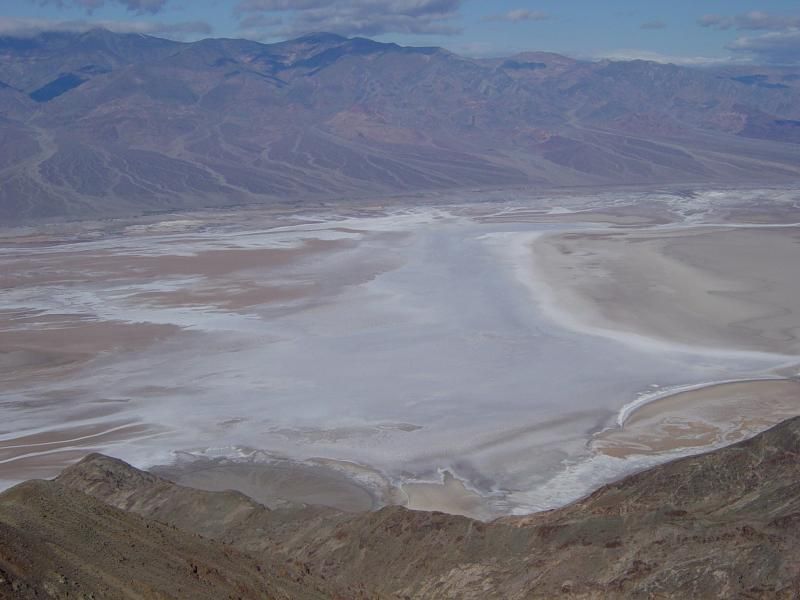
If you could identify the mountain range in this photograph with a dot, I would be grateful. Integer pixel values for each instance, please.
(720, 525)
(100, 124)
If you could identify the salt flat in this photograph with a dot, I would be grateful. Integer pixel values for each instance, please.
(485, 347)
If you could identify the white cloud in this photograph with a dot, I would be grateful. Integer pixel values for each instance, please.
(29, 27)
(135, 6)
(753, 20)
(634, 54)
(774, 47)
(654, 24)
(518, 16)
(355, 17)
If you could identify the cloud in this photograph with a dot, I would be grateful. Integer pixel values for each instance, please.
(354, 17)
(754, 20)
(29, 27)
(517, 16)
(780, 44)
(138, 7)
(142, 6)
(774, 47)
(716, 21)
(633, 54)
(478, 49)
(654, 24)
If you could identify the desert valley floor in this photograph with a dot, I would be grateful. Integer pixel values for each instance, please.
(501, 354)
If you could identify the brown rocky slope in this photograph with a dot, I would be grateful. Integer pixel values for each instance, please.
(722, 524)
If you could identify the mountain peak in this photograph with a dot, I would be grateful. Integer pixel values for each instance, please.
(544, 57)
(321, 37)
(100, 32)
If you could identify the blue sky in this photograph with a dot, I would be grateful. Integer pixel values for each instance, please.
(681, 31)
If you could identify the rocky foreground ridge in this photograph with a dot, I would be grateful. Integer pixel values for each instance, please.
(723, 524)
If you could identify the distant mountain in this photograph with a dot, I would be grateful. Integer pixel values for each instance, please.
(103, 124)
(721, 525)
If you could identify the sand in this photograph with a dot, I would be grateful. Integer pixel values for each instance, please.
(713, 287)
(706, 417)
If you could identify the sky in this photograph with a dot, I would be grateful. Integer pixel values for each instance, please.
(679, 31)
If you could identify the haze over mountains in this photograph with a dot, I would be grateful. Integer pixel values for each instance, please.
(104, 124)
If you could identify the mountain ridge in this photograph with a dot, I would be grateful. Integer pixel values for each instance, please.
(721, 524)
(122, 124)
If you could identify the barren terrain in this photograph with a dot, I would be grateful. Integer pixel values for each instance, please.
(100, 124)
(481, 358)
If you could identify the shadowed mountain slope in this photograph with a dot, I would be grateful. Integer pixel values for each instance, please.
(117, 124)
(722, 524)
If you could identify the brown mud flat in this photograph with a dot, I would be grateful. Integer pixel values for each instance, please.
(45, 454)
(276, 484)
(64, 265)
(704, 287)
(710, 416)
(36, 347)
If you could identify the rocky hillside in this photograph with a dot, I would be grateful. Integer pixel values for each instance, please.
(100, 124)
(724, 524)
